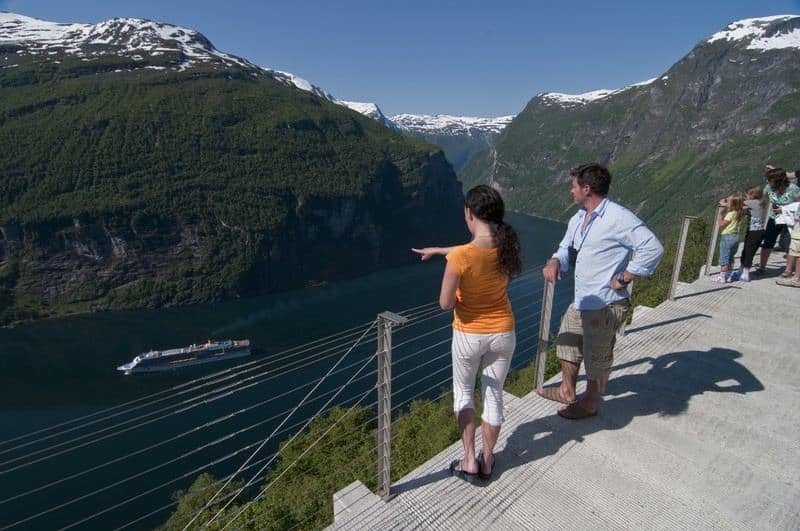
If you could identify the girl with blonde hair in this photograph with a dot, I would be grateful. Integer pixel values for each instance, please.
(729, 220)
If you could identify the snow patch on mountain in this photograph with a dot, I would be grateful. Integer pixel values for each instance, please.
(367, 109)
(298, 82)
(587, 97)
(126, 36)
(761, 33)
(452, 125)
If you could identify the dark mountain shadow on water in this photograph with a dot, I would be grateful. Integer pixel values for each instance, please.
(665, 390)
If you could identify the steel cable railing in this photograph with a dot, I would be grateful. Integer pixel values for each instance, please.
(191, 431)
(188, 404)
(287, 418)
(343, 337)
(171, 392)
(430, 310)
(196, 470)
(433, 359)
(419, 315)
(285, 470)
(437, 384)
(523, 339)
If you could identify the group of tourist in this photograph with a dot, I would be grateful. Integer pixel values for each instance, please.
(606, 244)
(767, 213)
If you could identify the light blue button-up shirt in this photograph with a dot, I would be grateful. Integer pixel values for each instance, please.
(604, 247)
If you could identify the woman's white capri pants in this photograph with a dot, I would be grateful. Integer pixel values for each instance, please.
(468, 350)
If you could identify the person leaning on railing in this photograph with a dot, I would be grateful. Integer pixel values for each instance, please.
(729, 219)
(475, 285)
(598, 243)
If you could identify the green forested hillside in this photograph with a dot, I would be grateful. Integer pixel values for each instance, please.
(130, 188)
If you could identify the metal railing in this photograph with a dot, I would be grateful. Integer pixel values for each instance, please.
(712, 245)
(386, 321)
(676, 268)
(544, 334)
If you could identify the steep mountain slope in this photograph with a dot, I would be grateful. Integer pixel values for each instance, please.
(674, 144)
(143, 167)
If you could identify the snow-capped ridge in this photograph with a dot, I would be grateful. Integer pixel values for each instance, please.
(444, 124)
(761, 33)
(367, 109)
(124, 36)
(132, 37)
(448, 124)
(370, 110)
(588, 97)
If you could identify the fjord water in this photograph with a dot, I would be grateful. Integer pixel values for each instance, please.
(56, 370)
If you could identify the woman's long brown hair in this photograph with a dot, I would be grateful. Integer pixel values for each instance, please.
(486, 204)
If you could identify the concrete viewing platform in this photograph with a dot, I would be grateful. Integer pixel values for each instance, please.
(700, 429)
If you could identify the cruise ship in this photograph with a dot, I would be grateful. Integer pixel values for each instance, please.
(165, 360)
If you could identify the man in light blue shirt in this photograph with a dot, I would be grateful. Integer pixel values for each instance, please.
(608, 246)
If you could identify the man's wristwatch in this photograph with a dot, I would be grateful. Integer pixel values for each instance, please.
(621, 279)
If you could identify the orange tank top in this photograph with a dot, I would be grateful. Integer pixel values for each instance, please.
(482, 304)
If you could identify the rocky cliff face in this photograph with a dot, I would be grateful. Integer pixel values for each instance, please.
(96, 263)
(674, 144)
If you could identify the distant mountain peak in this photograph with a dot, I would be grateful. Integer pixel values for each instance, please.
(127, 36)
(130, 37)
(370, 110)
(764, 33)
(448, 124)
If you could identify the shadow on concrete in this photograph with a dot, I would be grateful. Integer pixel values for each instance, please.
(668, 321)
(664, 389)
(712, 290)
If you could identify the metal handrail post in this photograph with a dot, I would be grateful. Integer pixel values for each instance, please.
(386, 320)
(544, 333)
(712, 246)
(676, 267)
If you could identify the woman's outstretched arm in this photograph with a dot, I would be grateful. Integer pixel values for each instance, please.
(428, 252)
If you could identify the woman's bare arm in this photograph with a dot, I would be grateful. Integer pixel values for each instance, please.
(450, 282)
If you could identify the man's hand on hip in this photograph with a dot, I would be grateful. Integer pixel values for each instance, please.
(618, 285)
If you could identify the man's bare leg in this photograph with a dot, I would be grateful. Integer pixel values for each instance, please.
(569, 379)
(790, 265)
(590, 401)
(466, 426)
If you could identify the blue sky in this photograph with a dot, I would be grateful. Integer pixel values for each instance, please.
(461, 57)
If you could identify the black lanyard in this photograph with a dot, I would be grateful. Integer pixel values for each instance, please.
(586, 232)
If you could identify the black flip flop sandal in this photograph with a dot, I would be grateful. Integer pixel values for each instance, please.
(481, 475)
(457, 470)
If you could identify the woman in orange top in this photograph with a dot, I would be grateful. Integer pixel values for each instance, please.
(475, 285)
